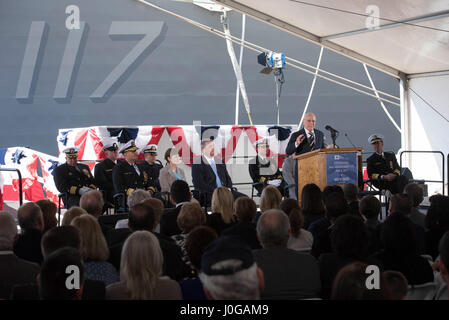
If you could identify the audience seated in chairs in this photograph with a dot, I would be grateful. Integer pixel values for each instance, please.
(370, 208)
(137, 196)
(53, 275)
(93, 203)
(245, 210)
(71, 214)
(222, 216)
(69, 236)
(31, 222)
(158, 207)
(195, 244)
(143, 217)
(437, 223)
(323, 223)
(351, 192)
(179, 195)
(141, 267)
(336, 206)
(13, 270)
(349, 238)
(312, 204)
(400, 251)
(299, 238)
(48, 209)
(350, 284)
(229, 271)
(270, 199)
(402, 203)
(288, 274)
(94, 251)
(415, 192)
(190, 217)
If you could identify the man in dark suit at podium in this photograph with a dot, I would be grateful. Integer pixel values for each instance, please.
(307, 139)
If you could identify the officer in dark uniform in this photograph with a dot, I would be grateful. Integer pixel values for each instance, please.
(73, 178)
(383, 168)
(103, 173)
(151, 167)
(126, 175)
(264, 170)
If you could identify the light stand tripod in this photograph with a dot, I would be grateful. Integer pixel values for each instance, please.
(279, 81)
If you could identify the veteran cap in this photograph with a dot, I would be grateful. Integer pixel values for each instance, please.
(152, 149)
(226, 256)
(129, 146)
(375, 138)
(110, 147)
(71, 152)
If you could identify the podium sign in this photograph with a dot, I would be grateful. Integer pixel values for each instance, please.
(329, 167)
(341, 168)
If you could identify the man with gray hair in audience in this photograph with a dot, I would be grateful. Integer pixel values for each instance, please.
(136, 197)
(13, 270)
(229, 272)
(288, 274)
(31, 221)
(93, 203)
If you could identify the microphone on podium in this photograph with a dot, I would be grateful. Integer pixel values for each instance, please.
(329, 128)
(334, 134)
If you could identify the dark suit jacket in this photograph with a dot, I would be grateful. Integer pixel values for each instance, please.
(304, 146)
(103, 177)
(168, 223)
(15, 271)
(28, 246)
(288, 274)
(204, 179)
(246, 231)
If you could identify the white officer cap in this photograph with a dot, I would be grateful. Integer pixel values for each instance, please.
(375, 138)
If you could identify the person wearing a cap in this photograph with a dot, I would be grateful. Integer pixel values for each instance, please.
(383, 168)
(229, 271)
(151, 167)
(264, 170)
(126, 175)
(103, 172)
(73, 178)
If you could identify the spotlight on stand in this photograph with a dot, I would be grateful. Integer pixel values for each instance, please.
(274, 61)
(271, 61)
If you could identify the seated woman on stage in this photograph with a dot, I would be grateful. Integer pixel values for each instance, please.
(171, 172)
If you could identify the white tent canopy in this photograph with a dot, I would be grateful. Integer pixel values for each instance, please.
(407, 39)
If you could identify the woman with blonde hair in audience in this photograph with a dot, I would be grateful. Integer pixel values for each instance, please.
(222, 206)
(48, 209)
(140, 272)
(299, 238)
(190, 217)
(94, 250)
(269, 199)
(71, 214)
